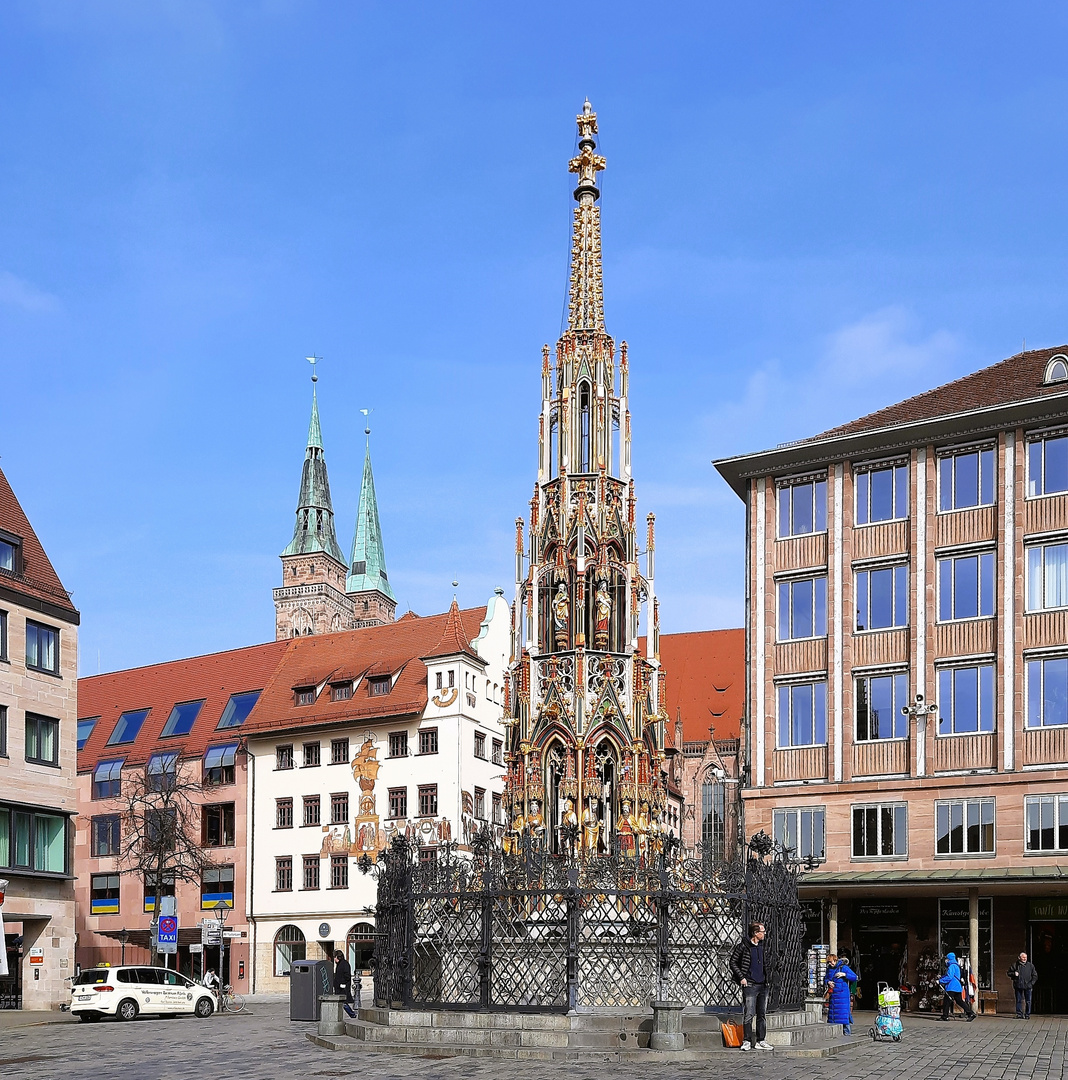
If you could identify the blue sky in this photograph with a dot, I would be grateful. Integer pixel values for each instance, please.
(809, 211)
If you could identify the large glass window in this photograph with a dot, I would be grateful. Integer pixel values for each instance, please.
(289, 945)
(31, 840)
(1046, 822)
(955, 935)
(361, 946)
(162, 771)
(237, 709)
(880, 831)
(219, 764)
(966, 699)
(802, 831)
(107, 779)
(802, 608)
(217, 825)
(880, 699)
(182, 718)
(42, 647)
(966, 586)
(1047, 465)
(882, 494)
(964, 827)
(803, 714)
(1047, 692)
(966, 479)
(128, 727)
(42, 740)
(165, 884)
(882, 598)
(1047, 576)
(802, 508)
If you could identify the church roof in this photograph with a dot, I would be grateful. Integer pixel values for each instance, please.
(212, 679)
(705, 677)
(393, 649)
(313, 530)
(34, 577)
(367, 566)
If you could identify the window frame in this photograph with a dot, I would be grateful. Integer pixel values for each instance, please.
(311, 871)
(1040, 440)
(429, 792)
(339, 751)
(219, 810)
(339, 808)
(283, 871)
(295, 942)
(38, 627)
(3, 635)
(1042, 546)
(92, 721)
(113, 844)
(480, 803)
(111, 889)
(114, 777)
(225, 773)
(397, 797)
(1029, 690)
(210, 901)
(30, 816)
(123, 727)
(281, 805)
(797, 813)
(1059, 827)
(171, 729)
(480, 746)
(897, 808)
(897, 719)
(817, 695)
(497, 752)
(15, 544)
(428, 736)
(308, 803)
(862, 475)
(951, 670)
(401, 738)
(953, 455)
(339, 869)
(899, 596)
(790, 485)
(282, 755)
(788, 588)
(948, 560)
(235, 703)
(311, 754)
(379, 685)
(36, 721)
(948, 805)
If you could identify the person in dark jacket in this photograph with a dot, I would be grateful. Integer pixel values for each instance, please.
(343, 980)
(839, 1001)
(1024, 976)
(751, 974)
(952, 990)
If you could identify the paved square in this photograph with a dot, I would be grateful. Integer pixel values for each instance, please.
(267, 1045)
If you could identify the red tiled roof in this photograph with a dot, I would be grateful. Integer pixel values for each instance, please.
(36, 577)
(211, 678)
(705, 676)
(453, 638)
(395, 648)
(1019, 378)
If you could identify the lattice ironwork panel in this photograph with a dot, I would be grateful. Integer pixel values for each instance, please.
(529, 951)
(702, 930)
(617, 961)
(446, 946)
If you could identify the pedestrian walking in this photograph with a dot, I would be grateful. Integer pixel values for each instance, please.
(839, 982)
(952, 990)
(750, 972)
(1024, 976)
(343, 981)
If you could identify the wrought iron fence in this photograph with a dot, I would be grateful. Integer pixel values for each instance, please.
(529, 930)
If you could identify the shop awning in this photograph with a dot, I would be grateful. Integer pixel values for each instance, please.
(937, 881)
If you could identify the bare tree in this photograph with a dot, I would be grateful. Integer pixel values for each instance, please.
(161, 826)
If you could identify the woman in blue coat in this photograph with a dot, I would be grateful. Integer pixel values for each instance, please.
(839, 976)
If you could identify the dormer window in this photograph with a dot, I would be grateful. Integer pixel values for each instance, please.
(1056, 369)
(378, 686)
(341, 691)
(9, 553)
(305, 695)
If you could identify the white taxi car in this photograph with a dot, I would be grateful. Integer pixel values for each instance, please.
(127, 991)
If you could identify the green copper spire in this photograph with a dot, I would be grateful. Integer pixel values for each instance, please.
(367, 567)
(314, 528)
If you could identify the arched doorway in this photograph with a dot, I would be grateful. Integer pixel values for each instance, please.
(289, 945)
(360, 946)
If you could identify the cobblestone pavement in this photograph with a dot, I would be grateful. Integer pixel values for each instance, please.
(266, 1045)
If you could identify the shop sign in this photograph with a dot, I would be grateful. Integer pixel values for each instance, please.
(36, 956)
(1044, 909)
(887, 913)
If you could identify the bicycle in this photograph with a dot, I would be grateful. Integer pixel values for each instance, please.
(229, 1001)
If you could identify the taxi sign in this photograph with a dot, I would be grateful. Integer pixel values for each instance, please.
(167, 934)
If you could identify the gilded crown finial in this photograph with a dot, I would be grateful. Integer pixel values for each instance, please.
(587, 163)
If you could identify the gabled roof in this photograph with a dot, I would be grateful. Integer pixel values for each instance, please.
(705, 676)
(393, 648)
(455, 640)
(367, 566)
(159, 687)
(1019, 378)
(36, 577)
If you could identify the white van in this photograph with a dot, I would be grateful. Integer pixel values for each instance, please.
(126, 991)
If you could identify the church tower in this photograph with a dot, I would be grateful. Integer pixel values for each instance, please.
(367, 584)
(587, 725)
(312, 597)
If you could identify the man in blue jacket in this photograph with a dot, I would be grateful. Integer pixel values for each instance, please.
(952, 989)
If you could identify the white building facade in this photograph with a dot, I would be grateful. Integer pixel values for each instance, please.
(360, 736)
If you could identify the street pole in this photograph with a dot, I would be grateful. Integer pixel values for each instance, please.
(124, 937)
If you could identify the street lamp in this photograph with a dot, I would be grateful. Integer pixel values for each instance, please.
(124, 936)
(222, 909)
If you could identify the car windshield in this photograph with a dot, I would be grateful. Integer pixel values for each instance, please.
(93, 977)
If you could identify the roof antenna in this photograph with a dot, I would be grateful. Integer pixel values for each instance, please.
(313, 360)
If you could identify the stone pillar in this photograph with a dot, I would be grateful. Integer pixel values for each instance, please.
(667, 1026)
(832, 924)
(331, 1015)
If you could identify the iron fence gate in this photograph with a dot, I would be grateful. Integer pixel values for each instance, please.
(542, 932)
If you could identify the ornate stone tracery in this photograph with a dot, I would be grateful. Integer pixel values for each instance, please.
(585, 748)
